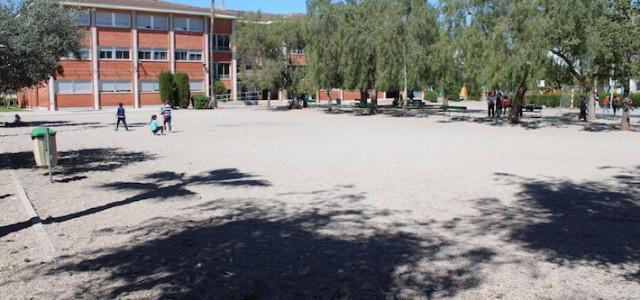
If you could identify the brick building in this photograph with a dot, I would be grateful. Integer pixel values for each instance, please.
(128, 43)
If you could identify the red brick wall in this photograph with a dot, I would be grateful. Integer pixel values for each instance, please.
(188, 40)
(335, 94)
(75, 100)
(150, 70)
(153, 39)
(115, 70)
(195, 70)
(223, 26)
(150, 99)
(298, 59)
(114, 37)
(222, 56)
(228, 84)
(43, 95)
(112, 99)
(75, 69)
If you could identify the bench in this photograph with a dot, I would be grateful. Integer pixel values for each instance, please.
(530, 108)
(361, 104)
(455, 108)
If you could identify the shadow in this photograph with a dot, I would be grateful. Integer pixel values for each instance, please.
(157, 189)
(253, 252)
(5, 196)
(571, 223)
(75, 163)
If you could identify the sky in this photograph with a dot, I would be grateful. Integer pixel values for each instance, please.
(267, 6)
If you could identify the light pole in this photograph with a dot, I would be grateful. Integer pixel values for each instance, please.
(212, 80)
(612, 84)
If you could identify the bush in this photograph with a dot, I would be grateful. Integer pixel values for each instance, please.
(183, 92)
(200, 102)
(167, 87)
(431, 96)
(219, 88)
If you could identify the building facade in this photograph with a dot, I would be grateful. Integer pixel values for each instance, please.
(127, 44)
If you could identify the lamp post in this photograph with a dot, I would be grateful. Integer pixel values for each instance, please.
(612, 83)
(212, 80)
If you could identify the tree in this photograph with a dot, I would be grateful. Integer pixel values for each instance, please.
(267, 47)
(33, 36)
(183, 92)
(167, 87)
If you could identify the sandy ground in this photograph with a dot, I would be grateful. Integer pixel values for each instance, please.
(244, 203)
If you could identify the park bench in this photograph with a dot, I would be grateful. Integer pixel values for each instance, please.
(535, 109)
(416, 103)
(361, 104)
(454, 108)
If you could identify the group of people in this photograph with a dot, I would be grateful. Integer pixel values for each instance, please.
(496, 103)
(154, 127)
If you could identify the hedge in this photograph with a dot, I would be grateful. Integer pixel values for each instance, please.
(200, 102)
(183, 92)
(431, 96)
(167, 87)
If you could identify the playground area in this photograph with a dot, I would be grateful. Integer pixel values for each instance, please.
(246, 203)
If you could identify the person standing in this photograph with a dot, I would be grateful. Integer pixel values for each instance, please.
(583, 110)
(165, 111)
(120, 115)
(615, 104)
(499, 104)
(607, 104)
(491, 103)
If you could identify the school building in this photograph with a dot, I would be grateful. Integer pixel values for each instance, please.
(128, 43)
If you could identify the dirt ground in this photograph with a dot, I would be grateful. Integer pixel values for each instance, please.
(244, 203)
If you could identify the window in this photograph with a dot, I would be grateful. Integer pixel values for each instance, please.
(187, 24)
(149, 86)
(115, 86)
(188, 55)
(196, 86)
(114, 53)
(73, 86)
(152, 54)
(222, 71)
(296, 51)
(85, 54)
(82, 18)
(107, 19)
(221, 43)
(152, 22)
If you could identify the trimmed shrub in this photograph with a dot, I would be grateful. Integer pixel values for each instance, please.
(200, 102)
(219, 88)
(431, 96)
(167, 87)
(183, 92)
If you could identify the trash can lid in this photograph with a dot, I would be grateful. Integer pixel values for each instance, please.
(42, 131)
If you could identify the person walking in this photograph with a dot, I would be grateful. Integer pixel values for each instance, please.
(165, 111)
(499, 105)
(615, 104)
(491, 104)
(583, 110)
(607, 104)
(120, 115)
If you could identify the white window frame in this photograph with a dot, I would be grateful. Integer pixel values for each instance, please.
(85, 54)
(188, 24)
(153, 24)
(116, 86)
(76, 15)
(74, 87)
(154, 83)
(215, 43)
(153, 52)
(113, 20)
(113, 51)
(217, 74)
(200, 82)
(188, 52)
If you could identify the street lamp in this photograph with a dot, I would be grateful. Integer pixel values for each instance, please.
(214, 102)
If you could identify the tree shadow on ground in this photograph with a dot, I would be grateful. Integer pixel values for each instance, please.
(158, 186)
(571, 223)
(77, 163)
(247, 251)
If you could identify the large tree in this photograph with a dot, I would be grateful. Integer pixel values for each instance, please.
(33, 36)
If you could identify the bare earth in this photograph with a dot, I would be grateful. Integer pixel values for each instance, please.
(243, 203)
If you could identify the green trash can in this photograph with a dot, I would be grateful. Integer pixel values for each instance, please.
(44, 139)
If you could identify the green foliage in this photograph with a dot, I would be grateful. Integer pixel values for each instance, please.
(431, 96)
(183, 93)
(33, 35)
(200, 102)
(219, 88)
(167, 87)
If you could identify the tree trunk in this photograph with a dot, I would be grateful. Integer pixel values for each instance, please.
(445, 99)
(374, 103)
(363, 97)
(329, 96)
(626, 122)
(268, 99)
(405, 104)
(592, 102)
(514, 113)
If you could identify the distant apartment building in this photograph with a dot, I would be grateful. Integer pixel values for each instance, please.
(128, 43)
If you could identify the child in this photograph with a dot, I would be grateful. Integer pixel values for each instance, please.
(165, 111)
(121, 117)
(154, 127)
